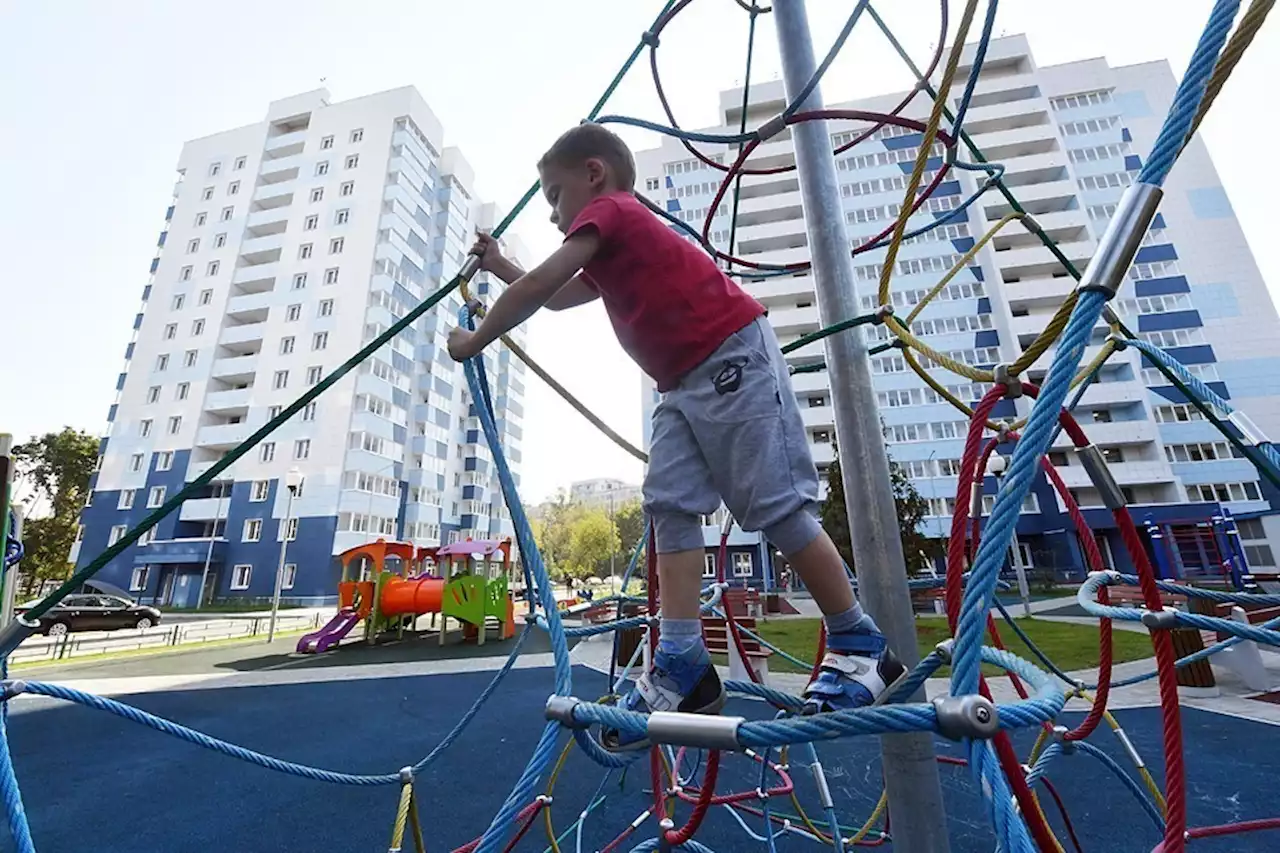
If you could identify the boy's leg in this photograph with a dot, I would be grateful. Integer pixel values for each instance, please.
(677, 492)
(755, 443)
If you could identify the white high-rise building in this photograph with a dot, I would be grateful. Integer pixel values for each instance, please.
(1071, 138)
(290, 244)
(604, 493)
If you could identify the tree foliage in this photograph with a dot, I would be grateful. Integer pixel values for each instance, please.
(629, 519)
(918, 549)
(592, 540)
(57, 467)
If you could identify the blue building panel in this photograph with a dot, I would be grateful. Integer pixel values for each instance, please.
(1132, 162)
(897, 143)
(963, 244)
(1161, 286)
(1169, 320)
(986, 338)
(1161, 252)
(1173, 395)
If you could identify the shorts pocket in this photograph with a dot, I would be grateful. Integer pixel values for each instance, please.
(733, 389)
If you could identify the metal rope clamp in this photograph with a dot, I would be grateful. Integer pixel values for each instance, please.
(1012, 385)
(884, 312)
(971, 716)
(561, 708)
(11, 688)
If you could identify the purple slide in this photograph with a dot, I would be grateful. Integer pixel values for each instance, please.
(333, 631)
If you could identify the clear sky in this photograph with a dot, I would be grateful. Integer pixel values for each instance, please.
(98, 98)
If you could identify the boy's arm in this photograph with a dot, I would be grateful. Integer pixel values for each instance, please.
(530, 292)
(576, 292)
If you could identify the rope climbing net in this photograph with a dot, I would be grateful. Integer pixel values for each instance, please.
(686, 763)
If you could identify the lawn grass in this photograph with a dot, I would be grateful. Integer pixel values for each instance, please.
(1068, 645)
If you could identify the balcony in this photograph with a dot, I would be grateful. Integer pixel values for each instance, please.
(256, 278)
(754, 209)
(267, 221)
(1007, 116)
(267, 196)
(222, 436)
(204, 509)
(808, 382)
(823, 454)
(187, 551)
(249, 307)
(1037, 199)
(237, 369)
(260, 250)
(233, 402)
(279, 143)
(791, 321)
(243, 334)
(780, 291)
(279, 169)
(1126, 474)
(1113, 434)
(1112, 393)
(1047, 290)
(1037, 261)
(1019, 142)
(818, 416)
(197, 469)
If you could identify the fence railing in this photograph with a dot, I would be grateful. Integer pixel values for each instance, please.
(88, 643)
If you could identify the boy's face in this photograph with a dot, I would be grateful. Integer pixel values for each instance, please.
(569, 188)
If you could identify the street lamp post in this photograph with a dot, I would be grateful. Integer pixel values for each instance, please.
(996, 466)
(208, 554)
(293, 479)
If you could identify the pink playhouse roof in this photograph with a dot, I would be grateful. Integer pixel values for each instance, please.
(471, 548)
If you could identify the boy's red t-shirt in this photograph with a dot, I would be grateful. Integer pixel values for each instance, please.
(670, 305)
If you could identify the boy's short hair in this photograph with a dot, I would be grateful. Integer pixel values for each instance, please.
(588, 140)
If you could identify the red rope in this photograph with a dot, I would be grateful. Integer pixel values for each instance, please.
(524, 828)
(1062, 810)
(784, 788)
(676, 837)
(1174, 771)
(1233, 828)
(526, 814)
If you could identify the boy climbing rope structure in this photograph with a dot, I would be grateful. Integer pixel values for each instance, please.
(727, 428)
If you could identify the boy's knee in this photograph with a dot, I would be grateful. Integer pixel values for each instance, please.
(677, 531)
(795, 532)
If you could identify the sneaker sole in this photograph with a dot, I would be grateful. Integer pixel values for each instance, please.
(608, 738)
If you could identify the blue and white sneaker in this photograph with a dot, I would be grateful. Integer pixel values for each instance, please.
(858, 670)
(686, 682)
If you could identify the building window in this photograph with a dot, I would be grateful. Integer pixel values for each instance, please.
(155, 497)
(219, 240)
(708, 565)
(319, 340)
(281, 380)
(228, 213)
(273, 412)
(180, 392)
(252, 530)
(352, 161)
(200, 218)
(341, 217)
(126, 499)
(240, 574)
(214, 169)
(189, 358)
(170, 331)
(138, 580)
(326, 143)
(162, 361)
(153, 394)
(322, 168)
(331, 275)
(347, 188)
(317, 194)
(310, 223)
(266, 451)
(821, 436)
(324, 308)
(135, 462)
(302, 448)
(314, 373)
(742, 565)
(213, 268)
(357, 135)
(185, 275)
(309, 411)
(304, 251)
(259, 489)
(144, 427)
(651, 184)
(117, 533)
(164, 460)
(178, 301)
(335, 245)
(240, 161)
(286, 345)
(207, 194)
(233, 188)
(206, 297)
(290, 569)
(197, 328)
(175, 424)
(300, 281)
(293, 312)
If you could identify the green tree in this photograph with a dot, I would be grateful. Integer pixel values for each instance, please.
(57, 467)
(555, 532)
(592, 538)
(918, 549)
(629, 519)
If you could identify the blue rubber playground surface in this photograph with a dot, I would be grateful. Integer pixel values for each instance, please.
(95, 782)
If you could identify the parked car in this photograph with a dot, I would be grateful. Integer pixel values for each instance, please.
(94, 613)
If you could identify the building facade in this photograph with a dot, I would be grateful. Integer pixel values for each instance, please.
(604, 493)
(288, 245)
(1071, 138)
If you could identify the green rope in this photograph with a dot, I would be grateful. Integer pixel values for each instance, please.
(132, 536)
(828, 331)
(742, 128)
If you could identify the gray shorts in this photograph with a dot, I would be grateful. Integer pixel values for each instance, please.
(732, 431)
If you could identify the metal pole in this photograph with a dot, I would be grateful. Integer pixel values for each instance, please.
(910, 771)
(208, 555)
(284, 545)
(11, 577)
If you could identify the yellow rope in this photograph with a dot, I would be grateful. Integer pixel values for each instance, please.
(551, 784)
(1230, 56)
(419, 846)
(402, 817)
(926, 143)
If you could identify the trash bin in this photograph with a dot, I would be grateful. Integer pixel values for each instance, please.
(629, 639)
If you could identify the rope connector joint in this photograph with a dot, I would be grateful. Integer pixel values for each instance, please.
(1160, 620)
(1012, 385)
(946, 649)
(649, 38)
(971, 716)
(884, 312)
(561, 710)
(1060, 738)
(406, 775)
(771, 128)
(11, 688)
(1118, 341)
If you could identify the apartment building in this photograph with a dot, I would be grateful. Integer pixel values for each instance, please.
(604, 493)
(287, 246)
(1071, 138)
